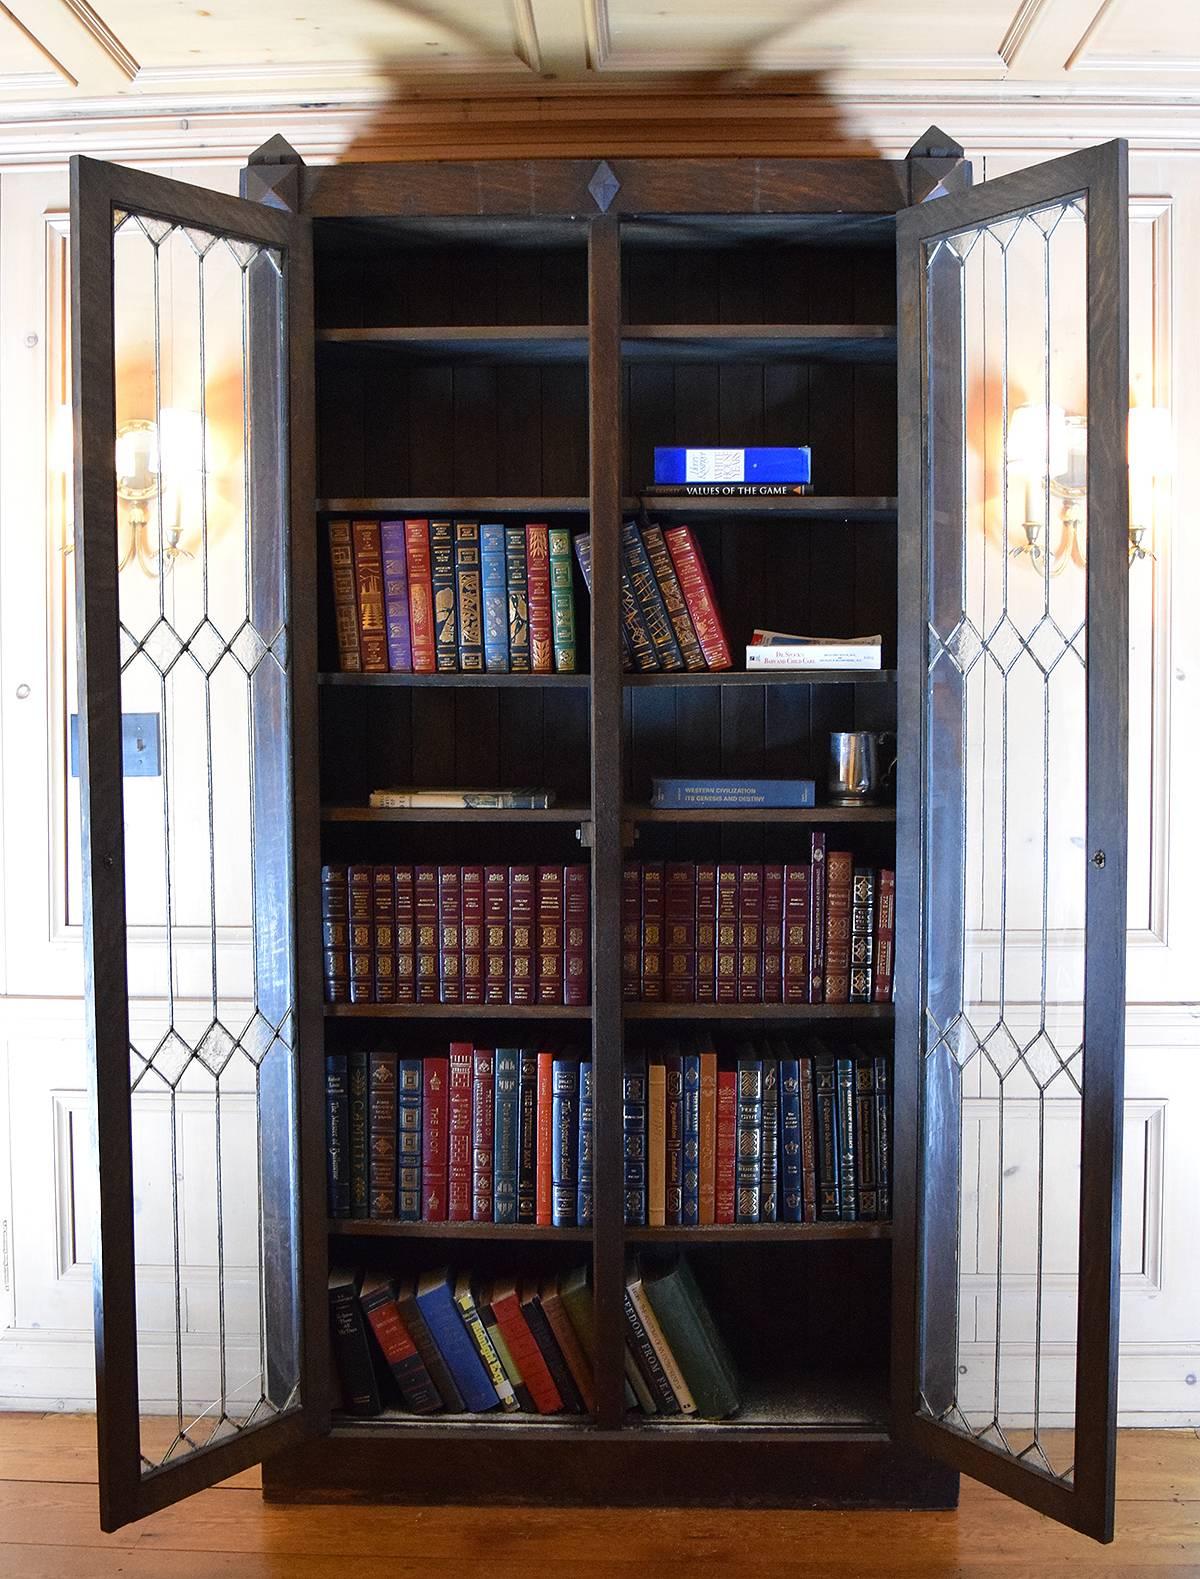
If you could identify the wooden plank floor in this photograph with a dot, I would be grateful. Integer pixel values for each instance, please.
(48, 1530)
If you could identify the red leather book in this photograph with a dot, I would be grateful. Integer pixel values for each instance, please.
(406, 932)
(378, 1300)
(708, 1135)
(420, 596)
(368, 581)
(631, 931)
(450, 933)
(361, 881)
(483, 1133)
(345, 597)
(577, 941)
(653, 921)
(706, 931)
(522, 925)
(808, 1142)
(726, 1189)
(565, 1335)
(679, 931)
(885, 936)
(772, 934)
(541, 616)
(795, 934)
(425, 943)
(816, 919)
(839, 872)
(495, 934)
(435, 1134)
(523, 1346)
(726, 950)
(472, 934)
(458, 1133)
(335, 932)
(679, 975)
(549, 965)
(698, 595)
(749, 933)
(384, 886)
(544, 1170)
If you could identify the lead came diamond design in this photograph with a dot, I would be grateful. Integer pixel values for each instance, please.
(603, 186)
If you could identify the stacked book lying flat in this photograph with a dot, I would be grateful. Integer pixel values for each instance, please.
(425, 597)
(765, 1134)
(776, 650)
(451, 1342)
(485, 1135)
(456, 934)
(715, 932)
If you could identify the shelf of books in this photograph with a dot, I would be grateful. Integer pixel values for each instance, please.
(432, 811)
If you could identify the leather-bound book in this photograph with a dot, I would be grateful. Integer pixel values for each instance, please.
(791, 1172)
(698, 595)
(690, 1208)
(633, 1141)
(816, 918)
(458, 1133)
(345, 596)
(885, 937)
(495, 934)
(359, 1143)
(425, 908)
(672, 595)
(495, 599)
(409, 1084)
(674, 1131)
(396, 609)
(649, 599)
(585, 1166)
(577, 942)
(883, 1131)
(708, 1136)
(636, 634)
(337, 1135)
(653, 923)
(825, 1117)
(772, 934)
(808, 1140)
(483, 1133)
(795, 934)
(848, 1140)
(435, 1135)
(727, 1114)
(679, 931)
(368, 580)
(527, 1137)
(377, 1298)
(549, 947)
(726, 951)
(839, 869)
(335, 932)
(631, 931)
(656, 1143)
(517, 582)
(450, 977)
(768, 1201)
(562, 600)
(445, 623)
(506, 1135)
(351, 1349)
(544, 1151)
(565, 1158)
(468, 597)
(420, 596)
(384, 892)
(406, 934)
(706, 932)
(382, 1133)
(362, 934)
(583, 553)
(862, 934)
(749, 1140)
(472, 934)
(866, 1181)
(541, 615)
(522, 934)
(749, 933)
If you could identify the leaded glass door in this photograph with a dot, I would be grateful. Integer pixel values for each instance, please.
(1011, 938)
(190, 311)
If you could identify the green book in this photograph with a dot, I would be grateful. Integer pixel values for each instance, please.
(692, 1334)
(562, 600)
(576, 1294)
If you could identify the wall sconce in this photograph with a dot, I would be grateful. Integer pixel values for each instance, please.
(1037, 452)
(152, 461)
(1151, 460)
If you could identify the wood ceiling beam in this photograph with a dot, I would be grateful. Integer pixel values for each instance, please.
(562, 38)
(76, 41)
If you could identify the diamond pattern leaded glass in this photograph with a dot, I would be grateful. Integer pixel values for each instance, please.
(1005, 799)
(199, 322)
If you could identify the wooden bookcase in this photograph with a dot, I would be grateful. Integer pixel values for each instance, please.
(509, 341)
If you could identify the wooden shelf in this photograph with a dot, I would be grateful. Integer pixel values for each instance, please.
(467, 504)
(563, 814)
(768, 677)
(365, 1229)
(757, 1233)
(578, 682)
(809, 506)
(469, 342)
(759, 1011)
(770, 814)
(456, 1011)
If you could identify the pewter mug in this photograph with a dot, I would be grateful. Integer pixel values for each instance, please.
(856, 769)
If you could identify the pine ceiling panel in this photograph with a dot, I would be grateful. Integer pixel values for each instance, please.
(934, 37)
(25, 70)
(1131, 39)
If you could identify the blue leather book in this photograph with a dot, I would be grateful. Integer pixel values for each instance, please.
(468, 596)
(505, 1138)
(435, 1299)
(585, 1171)
(690, 1203)
(495, 599)
(791, 1177)
(757, 464)
(768, 1200)
(527, 1138)
(682, 794)
(337, 1135)
(583, 553)
(408, 1142)
(517, 584)
(649, 599)
(883, 1133)
(564, 1130)
(847, 1163)
(825, 1114)
(748, 1162)
(634, 1143)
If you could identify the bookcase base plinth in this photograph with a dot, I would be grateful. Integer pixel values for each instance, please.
(758, 1468)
